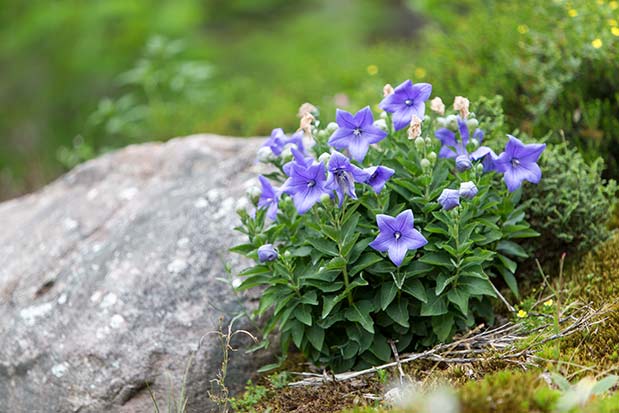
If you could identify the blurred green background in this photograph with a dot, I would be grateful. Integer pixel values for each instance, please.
(78, 78)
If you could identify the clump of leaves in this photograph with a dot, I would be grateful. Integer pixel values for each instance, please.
(572, 205)
(406, 254)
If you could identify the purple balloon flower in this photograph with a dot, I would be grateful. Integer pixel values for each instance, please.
(343, 176)
(449, 198)
(519, 163)
(299, 159)
(453, 148)
(267, 253)
(278, 141)
(306, 184)
(356, 133)
(397, 236)
(269, 198)
(378, 176)
(406, 100)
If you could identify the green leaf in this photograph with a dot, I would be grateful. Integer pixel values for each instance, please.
(415, 288)
(310, 297)
(316, 337)
(243, 248)
(360, 313)
(442, 281)
(349, 227)
(336, 263)
(460, 298)
(437, 258)
(434, 307)
(303, 314)
(365, 261)
(509, 264)
(350, 349)
(388, 292)
(324, 246)
(380, 348)
(509, 279)
(511, 248)
(303, 251)
(255, 270)
(328, 302)
(442, 326)
(477, 286)
(297, 334)
(398, 311)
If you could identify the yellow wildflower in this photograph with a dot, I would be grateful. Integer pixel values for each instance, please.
(420, 73)
(596, 43)
(548, 303)
(522, 314)
(613, 5)
(523, 28)
(572, 12)
(614, 31)
(612, 22)
(372, 70)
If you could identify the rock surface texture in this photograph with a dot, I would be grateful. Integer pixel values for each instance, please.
(109, 279)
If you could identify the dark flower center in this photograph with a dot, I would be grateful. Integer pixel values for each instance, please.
(397, 234)
(408, 102)
(356, 132)
(311, 183)
(515, 162)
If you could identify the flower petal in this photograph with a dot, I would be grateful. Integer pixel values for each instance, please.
(414, 239)
(358, 148)
(402, 118)
(344, 119)
(382, 242)
(397, 252)
(364, 117)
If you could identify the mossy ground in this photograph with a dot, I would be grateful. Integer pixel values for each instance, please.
(497, 386)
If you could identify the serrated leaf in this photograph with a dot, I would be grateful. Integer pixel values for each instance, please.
(316, 337)
(477, 286)
(434, 307)
(511, 248)
(303, 314)
(310, 297)
(460, 298)
(388, 292)
(365, 261)
(442, 281)
(509, 264)
(303, 251)
(360, 313)
(415, 288)
(437, 258)
(336, 263)
(324, 246)
(398, 311)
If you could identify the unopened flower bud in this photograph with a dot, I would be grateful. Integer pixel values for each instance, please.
(253, 193)
(463, 163)
(332, 127)
(387, 90)
(437, 105)
(287, 254)
(425, 163)
(474, 143)
(472, 123)
(442, 122)
(322, 134)
(432, 156)
(236, 282)
(420, 143)
(325, 198)
(449, 198)
(383, 115)
(267, 253)
(428, 141)
(480, 167)
(414, 130)
(324, 157)
(381, 123)
(265, 154)
(461, 104)
(452, 122)
(468, 190)
(305, 109)
(242, 204)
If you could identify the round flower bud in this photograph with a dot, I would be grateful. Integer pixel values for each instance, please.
(236, 283)
(442, 122)
(287, 154)
(381, 123)
(324, 157)
(383, 115)
(419, 143)
(479, 167)
(322, 134)
(468, 190)
(267, 253)
(432, 156)
(332, 127)
(425, 163)
(428, 141)
(265, 154)
(325, 198)
(426, 118)
(287, 254)
(242, 204)
(452, 121)
(463, 163)
(253, 193)
(472, 123)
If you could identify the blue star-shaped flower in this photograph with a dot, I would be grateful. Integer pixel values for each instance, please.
(406, 100)
(519, 163)
(397, 236)
(356, 133)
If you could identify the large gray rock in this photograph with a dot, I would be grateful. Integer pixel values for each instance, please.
(109, 278)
